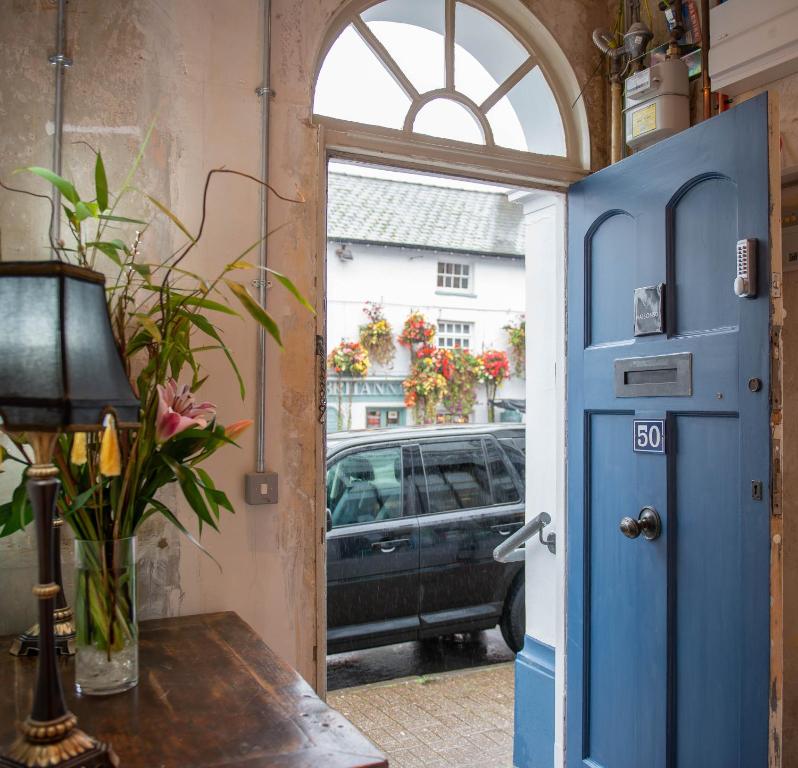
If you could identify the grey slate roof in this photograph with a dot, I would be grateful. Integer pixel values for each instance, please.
(388, 212)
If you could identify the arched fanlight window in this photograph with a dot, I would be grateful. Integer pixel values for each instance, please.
(442, 68)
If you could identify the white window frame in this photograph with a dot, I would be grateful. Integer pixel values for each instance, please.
(454, 262)
(455, 335)
(487, 162)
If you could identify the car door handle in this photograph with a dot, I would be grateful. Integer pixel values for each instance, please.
(505, 529)
(390, 545)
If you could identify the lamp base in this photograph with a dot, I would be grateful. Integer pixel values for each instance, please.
(71, 749)
(27, 644)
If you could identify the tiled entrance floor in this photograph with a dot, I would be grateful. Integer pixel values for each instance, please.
(458, 719)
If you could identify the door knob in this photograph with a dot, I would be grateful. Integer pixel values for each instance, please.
(648, 524)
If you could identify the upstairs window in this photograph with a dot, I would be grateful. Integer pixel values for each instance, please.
(453, 335)
(441, 68)
(454, 276)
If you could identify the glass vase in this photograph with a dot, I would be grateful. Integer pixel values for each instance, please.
(107, 659)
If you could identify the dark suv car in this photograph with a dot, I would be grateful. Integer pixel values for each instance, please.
(413, 517)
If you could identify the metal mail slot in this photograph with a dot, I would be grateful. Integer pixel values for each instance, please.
(655, 376)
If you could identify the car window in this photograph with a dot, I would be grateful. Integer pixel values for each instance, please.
(515, 453)
(365, 486)
(457, 475)
(501, 481)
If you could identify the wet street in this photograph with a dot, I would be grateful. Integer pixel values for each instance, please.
(446, 654)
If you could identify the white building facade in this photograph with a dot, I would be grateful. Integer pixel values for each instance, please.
(455, 255)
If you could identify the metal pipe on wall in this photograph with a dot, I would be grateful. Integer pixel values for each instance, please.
(616, 119)
(60, 61)
(264, 91)
(706, 83)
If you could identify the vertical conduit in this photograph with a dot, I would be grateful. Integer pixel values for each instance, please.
(264, 91)
(707, 85)
(60, 61)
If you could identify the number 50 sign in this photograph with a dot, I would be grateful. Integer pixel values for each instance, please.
(649, 435)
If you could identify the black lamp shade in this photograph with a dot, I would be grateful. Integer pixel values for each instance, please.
(60, 368)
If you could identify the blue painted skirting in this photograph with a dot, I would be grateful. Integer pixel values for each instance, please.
(534, 706)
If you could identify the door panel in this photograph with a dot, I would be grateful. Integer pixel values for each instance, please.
(625, 591)
(611, 265)
(704, 232)
(668, 639)
(710, 612)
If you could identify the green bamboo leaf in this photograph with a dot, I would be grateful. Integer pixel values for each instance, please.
(289, 285)
(101, 183)
(210, 330)
(107, 248)
(82, 212)
(81, 500)
(168, 213)
(219, 496)
(5, 516)
(85, 211)
(65, 187)
(70, 214)
(17, 513)
(150, 326)
(188, 484)
(208, 487)
(141, 269)
(241, 264)
(122, 219)
(255, 309)
(279, 276)
(172, 518)
(197, 301)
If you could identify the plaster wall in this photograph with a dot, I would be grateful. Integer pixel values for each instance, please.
(192, 66)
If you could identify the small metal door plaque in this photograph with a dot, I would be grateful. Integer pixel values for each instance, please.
(649, 309)
(649, 435)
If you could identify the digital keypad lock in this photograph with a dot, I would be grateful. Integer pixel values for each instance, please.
(745, 280)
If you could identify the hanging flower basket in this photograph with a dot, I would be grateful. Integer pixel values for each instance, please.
(376, 335)
(494, 370)
(349, 358)
(416, 330)
(424, 389)
(461, 370)
(516, 335)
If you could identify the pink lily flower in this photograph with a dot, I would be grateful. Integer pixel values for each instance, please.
(178, 412)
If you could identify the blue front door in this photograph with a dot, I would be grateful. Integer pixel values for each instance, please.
(669, 455)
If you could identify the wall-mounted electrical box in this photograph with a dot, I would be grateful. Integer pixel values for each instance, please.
(752, 44)
(656, 103)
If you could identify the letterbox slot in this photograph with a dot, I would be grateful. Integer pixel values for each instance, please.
(655, 376)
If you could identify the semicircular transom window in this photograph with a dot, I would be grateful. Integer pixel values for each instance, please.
(441, 68)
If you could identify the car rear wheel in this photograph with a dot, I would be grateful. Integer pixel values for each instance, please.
(513, 620)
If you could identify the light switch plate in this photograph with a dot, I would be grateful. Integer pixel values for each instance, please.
(260, 488)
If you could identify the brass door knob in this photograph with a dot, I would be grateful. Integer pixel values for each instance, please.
(648, 524)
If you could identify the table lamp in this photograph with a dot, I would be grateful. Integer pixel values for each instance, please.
(60, 370)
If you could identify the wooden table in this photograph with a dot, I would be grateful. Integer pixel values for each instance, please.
(210, 693)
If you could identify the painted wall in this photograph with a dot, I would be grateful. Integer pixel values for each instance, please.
(192, 66)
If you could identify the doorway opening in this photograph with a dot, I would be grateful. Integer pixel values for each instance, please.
(460, 90)
(426, 454)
